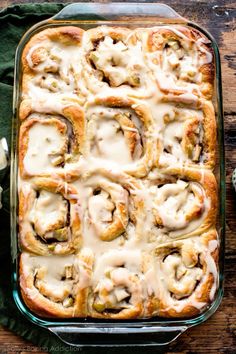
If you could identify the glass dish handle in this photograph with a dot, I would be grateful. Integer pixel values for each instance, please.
(113, 11)
(108, 336)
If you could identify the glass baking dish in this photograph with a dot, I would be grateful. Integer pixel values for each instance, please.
(91, 332)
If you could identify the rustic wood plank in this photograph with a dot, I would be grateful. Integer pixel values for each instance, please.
(11, 343)
(218, 334)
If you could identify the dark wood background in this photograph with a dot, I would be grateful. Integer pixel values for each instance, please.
(218, 334)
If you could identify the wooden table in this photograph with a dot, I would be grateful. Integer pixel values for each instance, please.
(218, 334)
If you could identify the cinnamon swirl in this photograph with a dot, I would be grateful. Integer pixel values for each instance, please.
(182, 276)
(116, 286)
(51, 144)
(121, 131)
(49, 221)
(56, 286)
(113, 60)
(181, 60)
(50, 77)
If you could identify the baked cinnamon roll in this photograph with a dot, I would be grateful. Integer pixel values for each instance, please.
(182, 276)
(56, 286)
(187, 136)
(49, 220)
(185, 205)
(120, 132)
(49, 74)
(110, 208)
(52, 144)
(116, 286)
(114, 61)
(182, 62)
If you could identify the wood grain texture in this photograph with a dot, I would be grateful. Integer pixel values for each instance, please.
(218, 334)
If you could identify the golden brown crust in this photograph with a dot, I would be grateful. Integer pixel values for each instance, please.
(24, 139)
(71, 274)
(63, 236)
(116, 291)
(188, 137)
(127, 111)
(71, 149)
(49, 70)
(112, 204)
(113, 59)
(191, 43)
(209, 127)
(190, 283)
(202, 184)
(203, 289)
(67, 36)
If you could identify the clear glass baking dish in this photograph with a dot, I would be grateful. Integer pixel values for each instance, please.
(90, 332)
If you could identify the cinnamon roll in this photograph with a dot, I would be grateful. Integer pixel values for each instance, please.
(182, 62)
(185, 205)
(113, 60)
(120, 131)
(188, 137)
(50, 144)
(110, 208)
(117, 286)
(49, 220)
(56, 286)
(49, 74)
(182, 276)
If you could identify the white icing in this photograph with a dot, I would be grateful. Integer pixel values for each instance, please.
(109, 138)
(45, 142)
(122, 64)
(49, 209)
(182, 277)
(110, 144)
(53, 273)
(176, 66)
